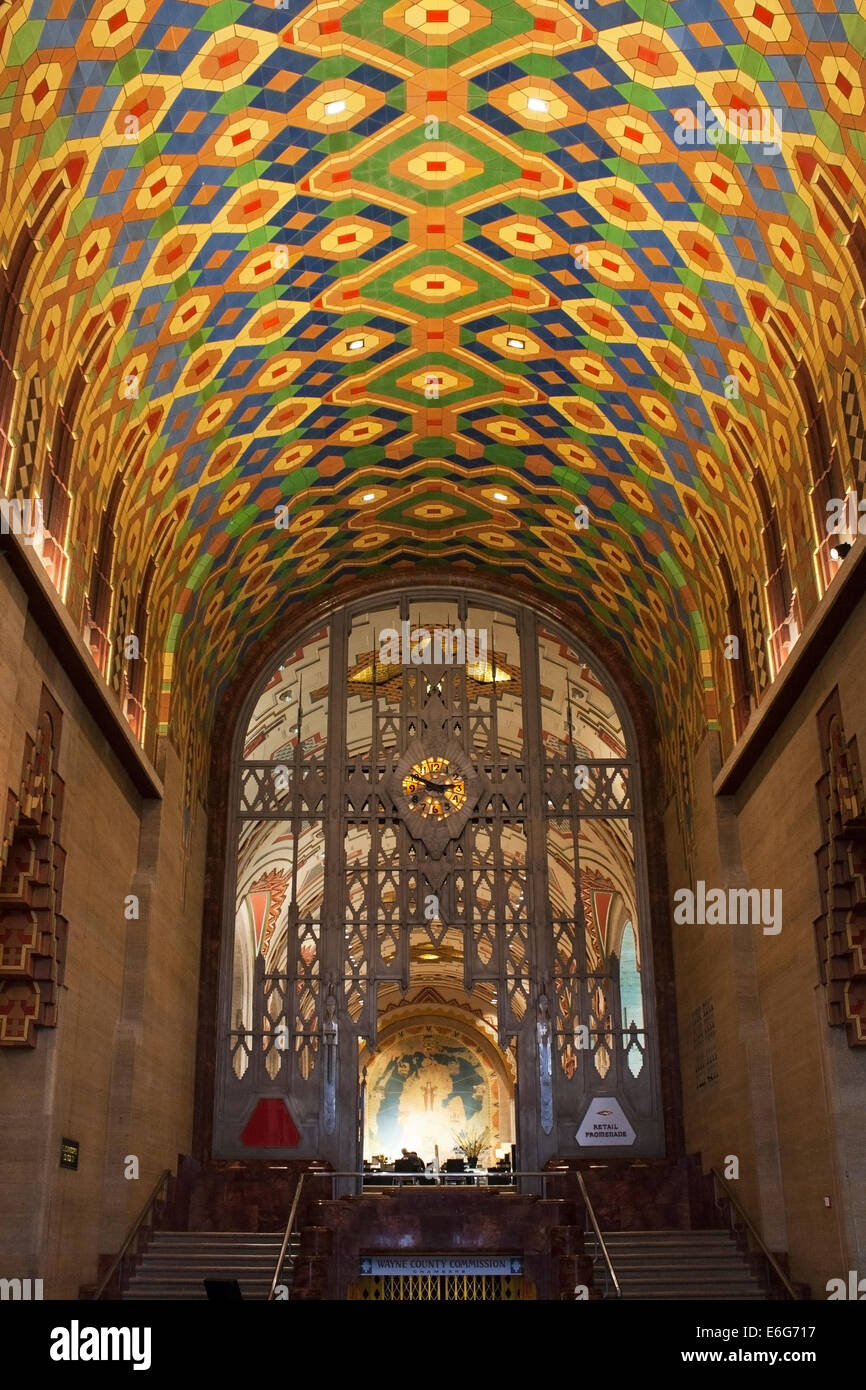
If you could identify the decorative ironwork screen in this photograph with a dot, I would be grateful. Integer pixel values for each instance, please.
(422, 783)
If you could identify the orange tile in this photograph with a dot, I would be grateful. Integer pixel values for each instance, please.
(190, 122)
(793, 95)
(767, 176)
(89, 99)
(172, 39)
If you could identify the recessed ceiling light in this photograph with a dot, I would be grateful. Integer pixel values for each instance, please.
(500, 496)
(333, 108)
(369, 497)
(519, 343)
(354, 344)
(536, 104)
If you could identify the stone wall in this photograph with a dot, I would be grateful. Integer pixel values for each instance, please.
(117, 1072)
(785, 1093)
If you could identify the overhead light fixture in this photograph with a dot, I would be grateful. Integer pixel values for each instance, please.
(536, 104)
(354, 344)
(428, 955)
(333, 108)
(519, 343)
(482, 671)
(369, 497)
(500, 496)
(839, 550)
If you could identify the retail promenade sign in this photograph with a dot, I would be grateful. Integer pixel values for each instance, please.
(441, 1264)
(604, 1123)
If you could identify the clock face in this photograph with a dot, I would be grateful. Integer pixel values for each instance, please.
(434, 788)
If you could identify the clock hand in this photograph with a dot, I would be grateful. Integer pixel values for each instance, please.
(437, 786)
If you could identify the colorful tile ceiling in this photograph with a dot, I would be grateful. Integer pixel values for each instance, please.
(438, 255)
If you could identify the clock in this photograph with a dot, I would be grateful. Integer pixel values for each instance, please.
(434, 788)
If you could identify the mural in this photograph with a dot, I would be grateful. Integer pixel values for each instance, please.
(427, 1082)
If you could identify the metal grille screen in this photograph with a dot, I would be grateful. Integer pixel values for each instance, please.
(435, 1288)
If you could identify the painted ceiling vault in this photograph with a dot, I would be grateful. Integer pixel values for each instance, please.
(362, 284)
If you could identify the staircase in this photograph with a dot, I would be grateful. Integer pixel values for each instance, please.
(675, 1265)
(176, 1263)
(221, 1219)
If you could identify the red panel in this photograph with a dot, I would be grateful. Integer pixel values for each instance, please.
(271, 1127)
(259, 904)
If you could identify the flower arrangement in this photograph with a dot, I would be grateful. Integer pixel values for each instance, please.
(471, 1143)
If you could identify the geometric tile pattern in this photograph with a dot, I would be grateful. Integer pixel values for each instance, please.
(26, 478)
(478, 264)
(855, 429)
(757, 634)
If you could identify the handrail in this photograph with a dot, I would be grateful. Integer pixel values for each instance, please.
(133, 1232)
(755, 1233)
(598, 1235)
(286, 1238)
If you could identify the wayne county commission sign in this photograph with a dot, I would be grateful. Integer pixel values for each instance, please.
(604, 1123)
(441, 1264)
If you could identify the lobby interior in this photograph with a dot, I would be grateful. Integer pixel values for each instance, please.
(432, 477)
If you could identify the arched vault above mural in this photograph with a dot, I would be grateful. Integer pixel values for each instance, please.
(571, 293)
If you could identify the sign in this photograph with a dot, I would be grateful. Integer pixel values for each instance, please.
(441, 1264)
(604, 1125)
(69, 1153)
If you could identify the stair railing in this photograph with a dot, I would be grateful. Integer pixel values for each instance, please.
(752, 1232)
(134, 1231)
(286, 1238)
(602, 1243)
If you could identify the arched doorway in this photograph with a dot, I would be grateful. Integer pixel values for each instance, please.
(435, 780)
(436, 1075)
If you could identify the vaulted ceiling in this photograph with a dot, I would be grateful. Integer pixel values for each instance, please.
(359, 284)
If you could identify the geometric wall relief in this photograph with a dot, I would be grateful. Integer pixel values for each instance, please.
(840, 930)
(32, 930)
(704, 1043)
